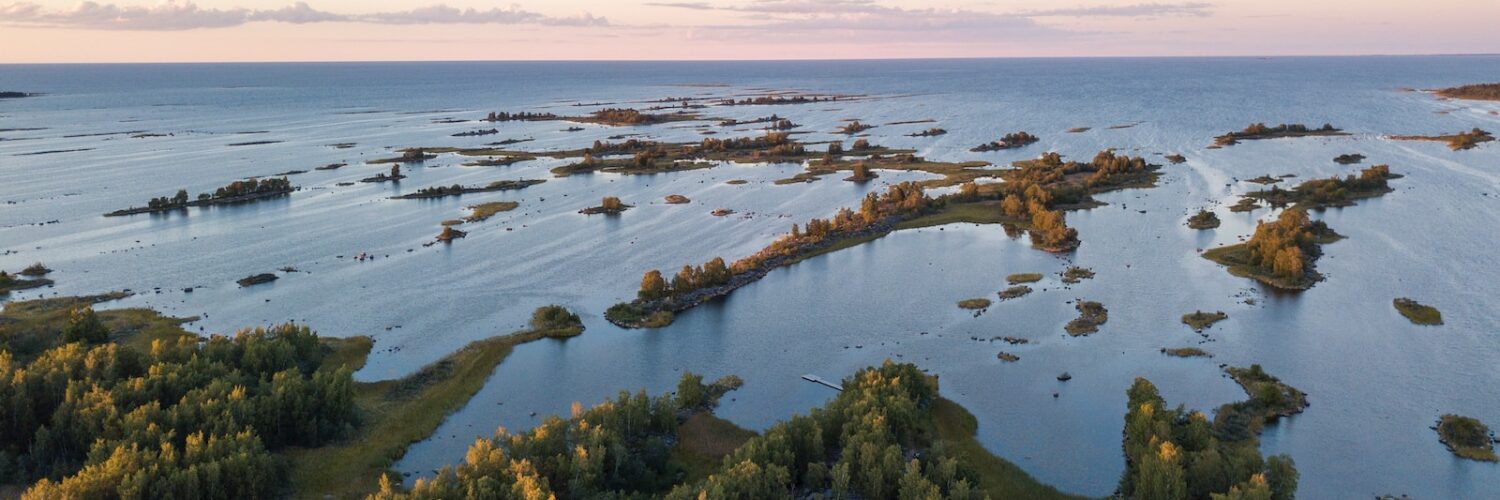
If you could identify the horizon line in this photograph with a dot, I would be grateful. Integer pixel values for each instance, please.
(853, 59)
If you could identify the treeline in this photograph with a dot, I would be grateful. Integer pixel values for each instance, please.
(1034, 192)
(504, 116)
(624, 116)
(617, 449)
(236, 189)
(772, 100)
(87, 418)
(1174, 454)
(1008, 141)
(1481, 91)
(1334, 191)
(1260, 131)
(1287, 247)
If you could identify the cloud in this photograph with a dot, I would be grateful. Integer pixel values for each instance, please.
(1197, 9)
(186, 15)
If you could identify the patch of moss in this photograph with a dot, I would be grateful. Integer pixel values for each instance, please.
(1418, 313)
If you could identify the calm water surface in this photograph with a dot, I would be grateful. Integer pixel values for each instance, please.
(1375, 381)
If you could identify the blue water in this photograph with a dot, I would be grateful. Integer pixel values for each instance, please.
(1376, 382)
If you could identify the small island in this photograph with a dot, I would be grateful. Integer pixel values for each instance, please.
(610, 205)
(1201, 320)
(1259, 131)
(1074, 274)
(1331, 192)
(482, 211)
(1014, 292)
(1176, 159)
(973, 304)
(1090, 316)
(1418, 313)
(1186, 352)
(393, 176)
(1457, 142)
(10, 283)
(854, 127)
(11, 94)
(862, 173)
(1476, 92)
(1018, 278)
(1467, 437)
(449, 234)
(459, 189)
(1008, 141)
(556, 321)
(256, 279)
(1282, 253)
(1007, 357)
(411, 155)
(245, 191)
(1349, 159)
(932, 132)
(621, 117)
(1204, 219)
(677, 199)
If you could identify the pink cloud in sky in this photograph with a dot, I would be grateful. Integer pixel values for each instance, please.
(269, 30)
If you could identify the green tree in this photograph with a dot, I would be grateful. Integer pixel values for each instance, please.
(84, 326)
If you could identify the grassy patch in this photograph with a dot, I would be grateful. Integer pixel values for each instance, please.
(1418, 314)
(1015, 292)
(484, 211)
(395, 414)
(1090, 316)
(703, 440)
(974, 303)
(998, 478)
(1018, 278)
(33, 326)
(1201, 320)
(978, 212)
(1467, 437)
(1186, 352)
(1075, 274)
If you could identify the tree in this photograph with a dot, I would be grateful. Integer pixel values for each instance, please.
(84, 326)
(1161, 475)
(690, 392)
(652, 286)
(1281, 477)
(612, 204)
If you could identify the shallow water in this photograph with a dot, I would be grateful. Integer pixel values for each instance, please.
(1375, 382)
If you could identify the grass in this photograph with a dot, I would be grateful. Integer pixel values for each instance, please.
(1186, 352)
(1018, 278)
(1075, 274)
(1418, 314)
(987, 212)
(702, 441)
(1200, 320)
(1015, 292)
(484, 211)
(974, 303)
(32, 326)
(997, 477)
(396, 413)
(1467, 437)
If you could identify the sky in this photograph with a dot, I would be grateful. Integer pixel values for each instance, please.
(68, 31)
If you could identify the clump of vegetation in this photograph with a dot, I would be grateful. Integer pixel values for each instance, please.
(628, 116)
(482, 211)
(1204, 219)
(449, 234)
(979, 303)
(1050, 232)
(862, 172)
(1265, 179)
(1175, 453)
(1467, 437)
(1331, 192)
(1457, 142)
(1258, 131)
(556, 321)
(34, 270)
(393, 176)
(1090, 316)
(610, 205)
(1019, 278)
(677, 199)
(854, 127)
(1075, 274)
(932, 132)
(1008, 141)
(504, 116)
(235, 192)
(1008, 357)
(1244, 205)
(1480, 92)
(1349, 158)
(1418, 313)
(1186, 352)
(1176, 159)
(1201, 320)
(1281, 253)
(1015, 292)
(736, 182)
(256, 279)
(9, 283)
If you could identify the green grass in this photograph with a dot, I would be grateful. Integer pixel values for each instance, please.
(1418, 314)
(997, 477)
(394, 414)
(703, 441)
(1018, 278)
(987, 212)
(32, 326)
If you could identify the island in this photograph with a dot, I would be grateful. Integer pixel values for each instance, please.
(1075, 274)
(1018, 278)
(236, 192)
(10, 283)
(621, 117)
(677, 199)
(1418, 313)
(1090, 316)
(449, 234)
(861, 173)
(393, 176)
(1259, 131)
(1281, 253)
(11, 94)
(609, 206)
(1204, 219)
(1200, 320)
(1175, 159)
(1186, 352)
(483, 211)
(1476, 92)
(1331, 192)
(977, 303)
(1349, 159)
(1008, 141)
(1014, 292)
(932, 132)
(256, 279)
(410, 155)
(1467, 437)
(854, 127)
(1458, 142)
(459, 189)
